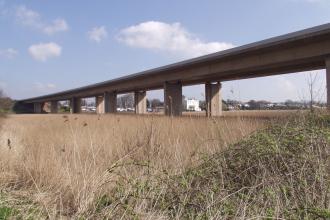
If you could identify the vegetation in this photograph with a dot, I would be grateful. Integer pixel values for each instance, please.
(18, 208)
(110, 167)
(282, 172)
(6, 103)
(63, 109)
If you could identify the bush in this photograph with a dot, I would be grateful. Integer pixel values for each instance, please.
(280, 172)
(6, 104)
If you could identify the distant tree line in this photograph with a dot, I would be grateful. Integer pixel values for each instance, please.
(127, 101)
(264, 104)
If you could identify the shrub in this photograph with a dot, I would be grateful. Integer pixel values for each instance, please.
(279, 172)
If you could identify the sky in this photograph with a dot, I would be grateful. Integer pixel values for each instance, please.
(50, 46)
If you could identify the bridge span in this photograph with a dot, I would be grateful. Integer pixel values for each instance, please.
(304, 50)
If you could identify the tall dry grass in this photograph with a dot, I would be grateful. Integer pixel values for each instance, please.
(61, 162)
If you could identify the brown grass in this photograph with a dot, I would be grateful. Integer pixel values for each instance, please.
(61, 162)
(152, 167)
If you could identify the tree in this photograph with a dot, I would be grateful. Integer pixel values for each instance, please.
(202, 105)
(311, 83)
(233, 103)
(315, 90)
(253, 104)
(126, 101)
(224, 105)
(156, 103)
(148, 103)
(6, 103)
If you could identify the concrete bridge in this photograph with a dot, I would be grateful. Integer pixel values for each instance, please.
(304, 50)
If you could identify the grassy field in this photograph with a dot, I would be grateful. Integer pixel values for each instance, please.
(151, 167)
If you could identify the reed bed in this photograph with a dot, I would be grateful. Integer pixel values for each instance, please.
(60, 165)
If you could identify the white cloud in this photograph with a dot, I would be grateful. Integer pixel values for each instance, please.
(57, 26)
(44, 51)
(30, 18)
(97, 34)
(172, 38)
(44, 86)
(8, 53)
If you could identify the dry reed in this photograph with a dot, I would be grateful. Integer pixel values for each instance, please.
(61, 162)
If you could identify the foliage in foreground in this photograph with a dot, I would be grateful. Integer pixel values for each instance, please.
(60, 163)
(280, 172)
(18, 208)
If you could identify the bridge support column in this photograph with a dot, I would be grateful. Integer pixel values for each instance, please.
(327, 67)
(53, 107)
(173, 99)
(213, 99)
(99, 102)
(38, 106)
(110, 102)
(140, 102)
(75, 105)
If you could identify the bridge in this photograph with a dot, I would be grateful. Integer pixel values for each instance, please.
(304, 50)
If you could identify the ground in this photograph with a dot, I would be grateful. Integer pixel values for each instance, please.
(262, 164)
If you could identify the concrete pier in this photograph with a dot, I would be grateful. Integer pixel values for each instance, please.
(110, 102)
(99, 102)
(75, 105)
(213, 99)
(53, 106)
(38, 106)
(173, 99)
(140, 102)
(327, 68)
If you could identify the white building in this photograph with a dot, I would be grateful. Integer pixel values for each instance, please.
(193, 105)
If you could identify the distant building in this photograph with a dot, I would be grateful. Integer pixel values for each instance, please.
(193, 105)
(270, 105)
(230, 107)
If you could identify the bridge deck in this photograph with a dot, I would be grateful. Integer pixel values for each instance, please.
(299, 51)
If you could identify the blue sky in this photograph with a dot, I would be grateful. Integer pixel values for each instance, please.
(50, 46)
